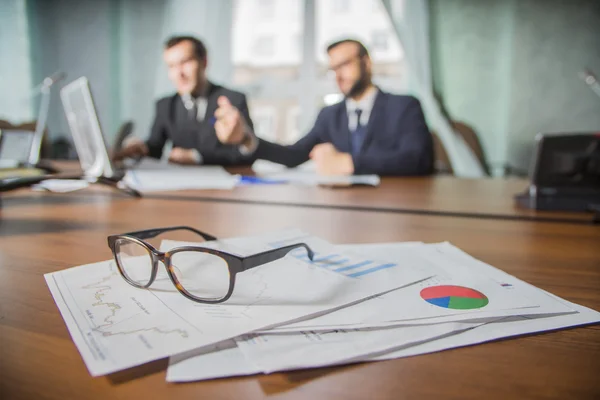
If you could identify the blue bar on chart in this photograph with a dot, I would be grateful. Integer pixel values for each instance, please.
(371, 270)
(329, 260)
(349, 267)
(324, 258)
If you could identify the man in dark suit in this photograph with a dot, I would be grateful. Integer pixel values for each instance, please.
(370, 132)
(187, 117)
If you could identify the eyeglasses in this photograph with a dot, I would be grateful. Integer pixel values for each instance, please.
(200, 274)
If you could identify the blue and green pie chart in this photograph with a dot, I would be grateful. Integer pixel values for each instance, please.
(454, 297)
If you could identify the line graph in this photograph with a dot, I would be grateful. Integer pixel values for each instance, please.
(101, 289)
(181, 332)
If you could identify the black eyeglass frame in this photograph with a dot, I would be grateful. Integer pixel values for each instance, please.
(235, 263)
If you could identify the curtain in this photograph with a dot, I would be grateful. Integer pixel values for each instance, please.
(17, 97)
(410, 19)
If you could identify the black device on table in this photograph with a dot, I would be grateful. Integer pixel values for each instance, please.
(565, 173)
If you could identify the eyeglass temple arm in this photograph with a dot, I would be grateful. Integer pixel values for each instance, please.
(272, 255)
(150, 233)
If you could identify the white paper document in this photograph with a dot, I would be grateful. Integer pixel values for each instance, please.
(306, 174)
(117, 326)
(457, 292)
(503, 328)
(61, 185)
(231, 361)
(221, 360)
(149, 179)
(272, 351)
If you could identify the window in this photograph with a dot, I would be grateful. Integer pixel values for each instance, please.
(266, 10)
(293, 130)
(296, 42)
(264, 46)
(267, 59)
(340, 6)
(379, 40)
(376, 32)
(264, 118)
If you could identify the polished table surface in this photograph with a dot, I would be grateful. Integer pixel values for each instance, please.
(43, 232)
(437, 195)
(441, 195)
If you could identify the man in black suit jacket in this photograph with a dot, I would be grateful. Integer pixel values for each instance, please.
(187, 117)
(370, 132)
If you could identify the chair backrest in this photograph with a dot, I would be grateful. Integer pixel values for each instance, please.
(442, 163)
(124, 131)
(472, 140)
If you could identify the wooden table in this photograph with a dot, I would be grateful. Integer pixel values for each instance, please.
(439, 195)
(40, 233)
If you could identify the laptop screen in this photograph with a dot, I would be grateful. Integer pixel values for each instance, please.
(85, 128)
(15, 145)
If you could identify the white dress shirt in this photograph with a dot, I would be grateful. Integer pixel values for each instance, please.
(201, 104)
(365, 105)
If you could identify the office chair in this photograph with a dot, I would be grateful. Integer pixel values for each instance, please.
(442, 164)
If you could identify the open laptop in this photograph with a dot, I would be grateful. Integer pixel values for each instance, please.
(565, 173)
(89, 141)
(85, 129)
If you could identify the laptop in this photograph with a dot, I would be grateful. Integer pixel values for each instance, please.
(88, 139)
(85, 129)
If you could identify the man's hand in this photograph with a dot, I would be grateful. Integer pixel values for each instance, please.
(329, 161)
(230, 125)
(133, 149)
(180, 155)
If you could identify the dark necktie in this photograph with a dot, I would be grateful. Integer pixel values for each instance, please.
(193, 111)
(190, 105)
(357, 136)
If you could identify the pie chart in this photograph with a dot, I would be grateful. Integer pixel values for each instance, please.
(454, 297)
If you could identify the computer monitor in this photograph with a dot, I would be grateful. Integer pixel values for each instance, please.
(85, 128)
(565, 173)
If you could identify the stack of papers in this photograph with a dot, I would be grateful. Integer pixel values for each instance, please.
(306, 174)
(61, 185)
(351, 303)
(117, 326)
(150, 178)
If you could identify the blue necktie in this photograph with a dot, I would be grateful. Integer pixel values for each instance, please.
(357, 136)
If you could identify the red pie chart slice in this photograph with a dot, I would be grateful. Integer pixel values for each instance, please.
(454, 297)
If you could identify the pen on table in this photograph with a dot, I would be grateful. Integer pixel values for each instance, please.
(264, 181)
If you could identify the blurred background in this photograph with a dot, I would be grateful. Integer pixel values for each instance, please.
(490, 74)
